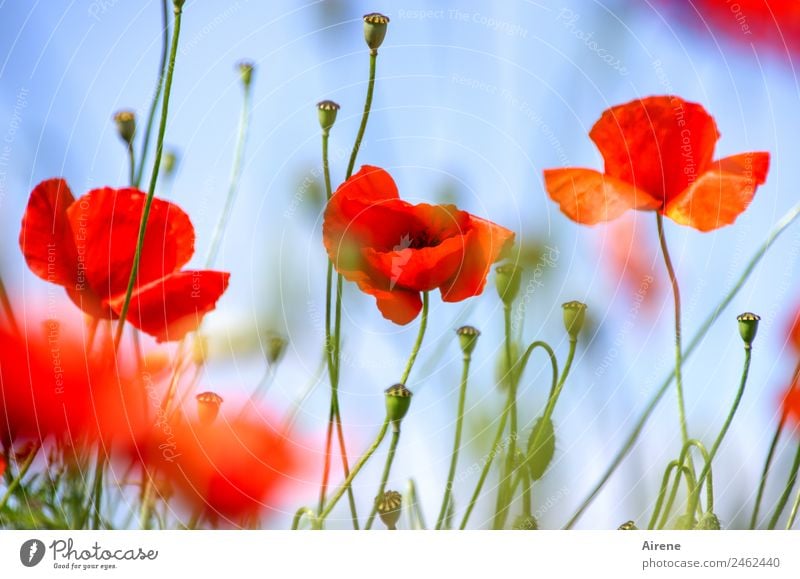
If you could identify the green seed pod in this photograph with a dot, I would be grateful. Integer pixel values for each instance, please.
(389, 508)
(274, 347)
(574, 317)
(326, 111)
(539, 458)
(708, 522)
(245, 68)
(126, 126)
(628, 526)
(375, 30)
(685, 523)
(398, 400)
(208, 404)
(748, 326)
(507, 280)
(169, 160)
(525, 523)
(468, 339)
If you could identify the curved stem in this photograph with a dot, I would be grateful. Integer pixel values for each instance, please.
(373, 59)
(233, 184)
(153, 178)
(715, 447)
(676, 293)
(782, 225)
(663, 490)
(151, 115)
(423, 325)
(385, 476)
(787, 491)
(353, 473)
(462, 397)
(304, 512)
(682, 461)
(502, 426)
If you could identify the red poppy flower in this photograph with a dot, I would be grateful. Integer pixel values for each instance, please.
(53, 383)
(791, 404)
(658, 156)
(87, 245)
(2, 466)
(228, 469)
(793, 331)
(394, 250)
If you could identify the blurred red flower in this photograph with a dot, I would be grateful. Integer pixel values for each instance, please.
(53, 383)
(658, 156)
(87, 245)
(394, 250)
(632, 259)
(791, 404)
(793, 331)
(228, 469)
(2, 466)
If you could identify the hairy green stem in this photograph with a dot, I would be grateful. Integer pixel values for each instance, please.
(385, 476)
(787, 491)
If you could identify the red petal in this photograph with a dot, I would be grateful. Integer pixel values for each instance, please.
(659, 144)
(484, 243)
(46, 238)
(170, 307)
(718, 197)
(418, 269)
(107, 221)
(589, 197)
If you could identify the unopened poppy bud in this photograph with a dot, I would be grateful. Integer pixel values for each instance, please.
(208, 404)
(326, 111)
(525, 523)
(274, 347)
(178, 5)
(507, 280)
(748, 326)
(126, 125)
(628, 526)
(169, 160)
(245, 68)
(543, 436)
(574, 317)
(398, 400)
(708, 522)
(389, 508)
(468, 339)
(375, 30)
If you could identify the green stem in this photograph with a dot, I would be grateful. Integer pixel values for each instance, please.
(153, 178)
(715, 447)
(787, 491)
(95, 505)
(353, 473)
(423, 325)
(151, 115)
(462, 397)
(373, 59)
(17, 480)
(385, 476)
(663, 490)
(793, 514)
(304, 512)
(526, 493)
(682, 460)
(676, 293)
(233, 184)
(415, 517)
(788, 218)
(131, 164)
(503, 498)
(502, 426)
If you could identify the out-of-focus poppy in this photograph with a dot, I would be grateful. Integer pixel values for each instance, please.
(53, 383)
(2, 466)
(658, 156)
(394, 250)
(791, 404)
(227, 469)
(632, 259)
(88, 244)
(793, 331)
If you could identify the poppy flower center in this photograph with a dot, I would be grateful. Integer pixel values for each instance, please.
(418, 240)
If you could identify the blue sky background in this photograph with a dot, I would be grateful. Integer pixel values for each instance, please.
(473, 101)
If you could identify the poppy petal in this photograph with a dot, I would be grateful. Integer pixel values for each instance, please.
(589, 197)
(718, 197)
(170, 307)
(658, 144)
(399, 306)
(110, 219)
(484, 243)
(46, 238)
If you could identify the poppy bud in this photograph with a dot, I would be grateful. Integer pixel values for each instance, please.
(245, 68)
(468, 338)
(685, 523)
(326, 111)
(178, 4)
(398, 400)
(525, 523)
(126, 125)
(748, 326)
(628, 526)
(708, 522)
(208, 404)
(389, 508)
(540, 457)
(375, 30)
(169, 160)
(574, 317)
(274, 348)
(507, 280)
